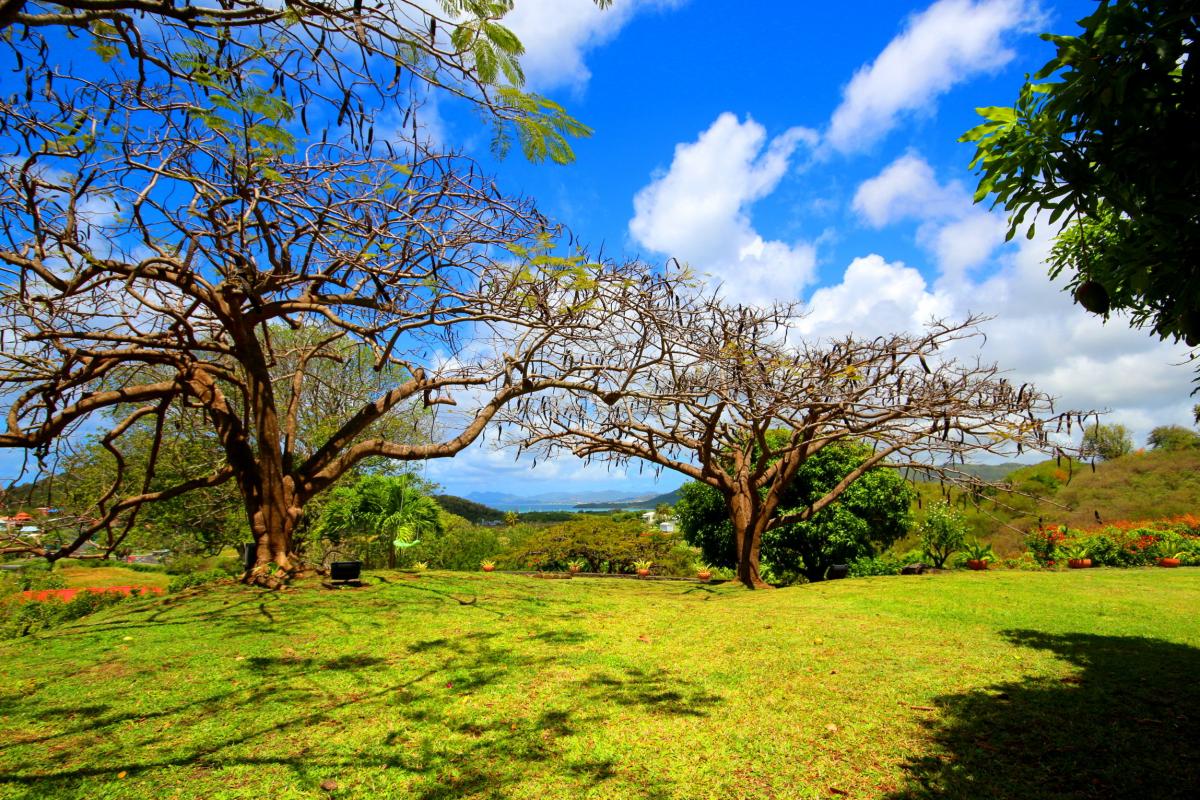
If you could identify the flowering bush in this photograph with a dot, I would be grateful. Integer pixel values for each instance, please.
(1120, 544)
(1043, 543)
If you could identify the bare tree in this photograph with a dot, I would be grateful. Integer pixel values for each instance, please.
(696, 386)
(151, 262)
(339, 63)
(214, 177)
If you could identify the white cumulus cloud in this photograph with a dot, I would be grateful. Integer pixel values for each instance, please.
(946, 44)
(1036, 333)
(557, 35)
(907, 188)
(958, 234)
(698, 211)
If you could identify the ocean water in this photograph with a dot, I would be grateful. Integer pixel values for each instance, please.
(551, 507)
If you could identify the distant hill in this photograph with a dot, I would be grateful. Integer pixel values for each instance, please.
(1140, 486)
(470, 510)
(987, 472)
(670, 498)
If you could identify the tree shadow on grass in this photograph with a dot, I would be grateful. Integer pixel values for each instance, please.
(277, 665)
(433, 729)
(657, 692)
(1126, 725)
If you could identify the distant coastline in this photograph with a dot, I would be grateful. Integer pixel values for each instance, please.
(523, 507)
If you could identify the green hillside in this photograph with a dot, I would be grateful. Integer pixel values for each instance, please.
(1144, 485)
(1148, 485)
(473, 512)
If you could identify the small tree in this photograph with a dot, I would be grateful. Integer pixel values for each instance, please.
(383, 511)
(1173, 437)
(870, 515)
(1106, 442)
(692, 384)
(943, 533)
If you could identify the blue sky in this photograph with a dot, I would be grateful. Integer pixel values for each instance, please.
(808, 151)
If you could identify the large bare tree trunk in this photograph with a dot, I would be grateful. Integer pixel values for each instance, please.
(274, 514)
(749, 521)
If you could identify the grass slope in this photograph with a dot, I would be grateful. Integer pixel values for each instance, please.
(441, 685)
(1138, 486)
(1145, 485)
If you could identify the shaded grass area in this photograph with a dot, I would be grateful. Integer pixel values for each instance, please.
(440, 685)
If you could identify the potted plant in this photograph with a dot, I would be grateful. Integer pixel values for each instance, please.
(487, 566)
(1077, 556)
(704, 572)
(979, 554)
(575, 566)
(1171, 561)
(642, 567)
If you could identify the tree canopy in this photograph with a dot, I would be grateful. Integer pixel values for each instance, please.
(1106, 441)
(1173, 437)
(871, 514)
(337, 65)
(1103, 140)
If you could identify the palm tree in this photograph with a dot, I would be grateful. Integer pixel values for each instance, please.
(388, 509)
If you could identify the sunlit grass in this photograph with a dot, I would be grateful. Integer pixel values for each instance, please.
(442, 685)
(77, 577)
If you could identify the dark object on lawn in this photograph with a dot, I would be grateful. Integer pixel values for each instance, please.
(837, 571)
(915, 569)
(248, 552)
(344, 571)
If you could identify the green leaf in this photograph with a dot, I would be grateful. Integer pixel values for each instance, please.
(1001, 114)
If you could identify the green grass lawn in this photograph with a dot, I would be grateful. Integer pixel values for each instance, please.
(84, 577)
(440, 685)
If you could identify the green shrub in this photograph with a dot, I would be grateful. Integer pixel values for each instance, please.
(21, 618)
(461, 545)
(183, 565)
(883, 564)
(1025, 561)
(604, 545)
(186, 565)
(943, 533)
(181, 582)
(1105, 552)
(145, 567)
(1042, 543)
(40, 575)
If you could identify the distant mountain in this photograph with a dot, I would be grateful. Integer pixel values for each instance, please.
(987, 472)
(607, 496)
(633, 503)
